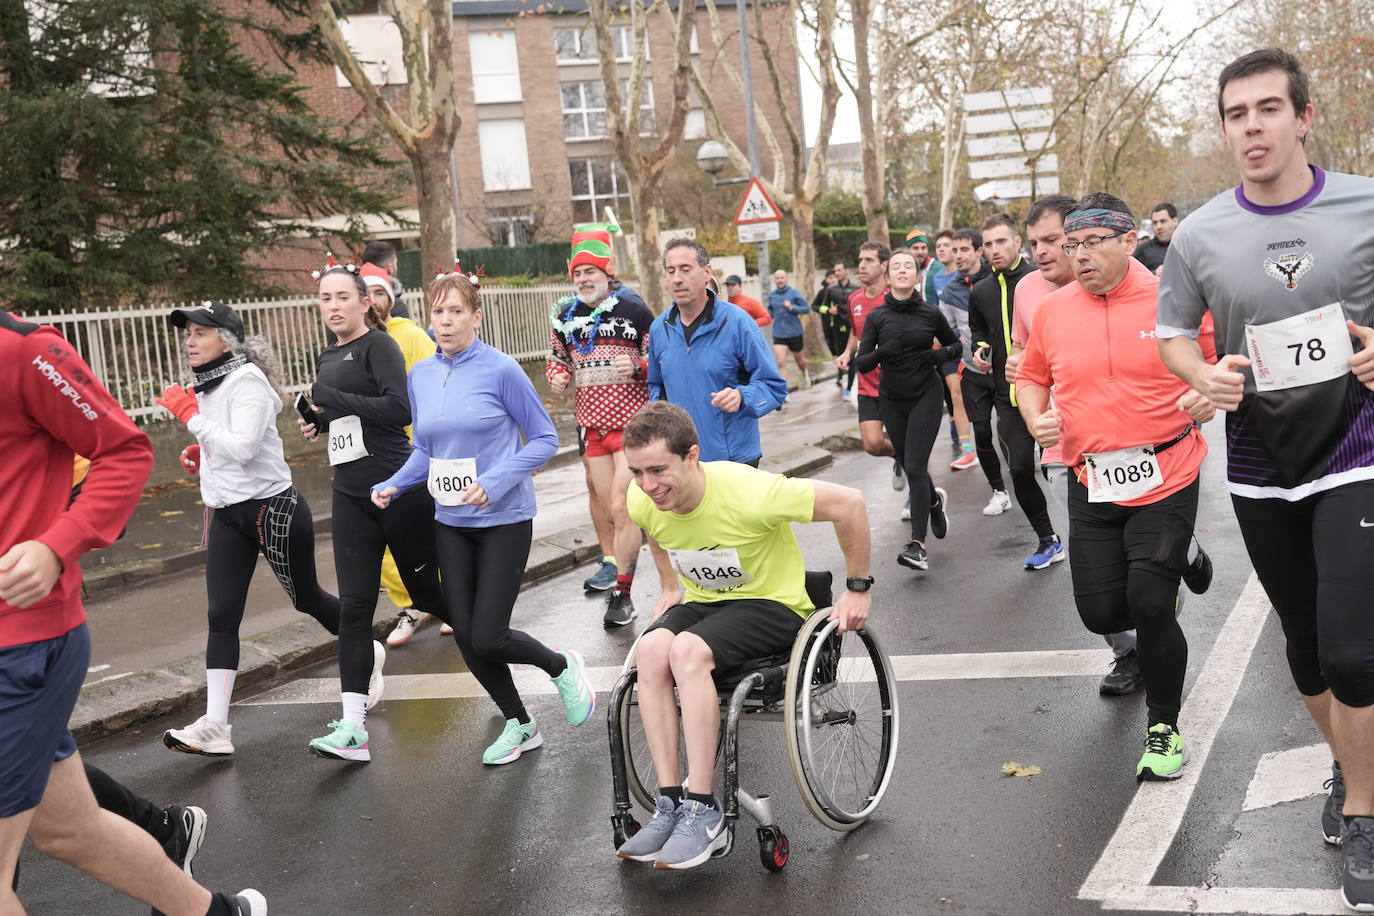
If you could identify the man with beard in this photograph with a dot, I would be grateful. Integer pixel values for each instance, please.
(599, 345)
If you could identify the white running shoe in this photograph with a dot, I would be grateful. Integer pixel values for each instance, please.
(906, 510)
(203, 736)
(446, 630)
(999, 503)
(376, 684)
(898, 476)
(407, 623)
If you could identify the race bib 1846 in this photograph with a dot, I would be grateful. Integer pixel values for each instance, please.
(1303, 350)
(716, 570)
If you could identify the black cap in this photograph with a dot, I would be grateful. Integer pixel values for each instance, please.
(733, 280)
(211, 313)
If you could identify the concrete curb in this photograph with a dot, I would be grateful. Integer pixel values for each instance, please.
(111, 706)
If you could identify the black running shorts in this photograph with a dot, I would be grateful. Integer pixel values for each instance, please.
(736, 631)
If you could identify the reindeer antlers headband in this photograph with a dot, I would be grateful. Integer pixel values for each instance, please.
(331, 264)
(473, 277)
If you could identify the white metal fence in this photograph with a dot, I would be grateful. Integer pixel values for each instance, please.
(134, 350)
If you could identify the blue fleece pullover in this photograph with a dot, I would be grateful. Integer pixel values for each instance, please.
(476, 405)
(785, 305)
(727, 351)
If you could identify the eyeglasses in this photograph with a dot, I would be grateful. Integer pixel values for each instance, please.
(1092, 243)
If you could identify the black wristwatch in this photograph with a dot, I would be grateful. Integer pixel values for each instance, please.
(858, 583)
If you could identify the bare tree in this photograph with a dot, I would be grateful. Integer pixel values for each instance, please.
(643, 165)
(425, 134)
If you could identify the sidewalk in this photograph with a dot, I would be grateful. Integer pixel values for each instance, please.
(147, 616)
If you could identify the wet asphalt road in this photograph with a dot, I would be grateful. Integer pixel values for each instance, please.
(425, 828)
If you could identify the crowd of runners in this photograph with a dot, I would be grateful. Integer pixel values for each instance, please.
(1067, 353)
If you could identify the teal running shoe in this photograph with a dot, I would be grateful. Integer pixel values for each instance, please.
(347, 741)
(514, 741)
(579, 700)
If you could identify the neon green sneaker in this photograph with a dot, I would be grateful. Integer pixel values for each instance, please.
(1165, 754)
(579, 700)
(347, 741)
(514, 741)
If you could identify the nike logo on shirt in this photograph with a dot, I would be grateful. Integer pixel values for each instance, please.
(1365, 524)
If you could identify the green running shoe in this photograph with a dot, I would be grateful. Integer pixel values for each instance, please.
(579, 700)
(346, 742)
(514, 741)
(1165, 754)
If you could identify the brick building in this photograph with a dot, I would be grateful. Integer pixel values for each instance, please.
(532, 152)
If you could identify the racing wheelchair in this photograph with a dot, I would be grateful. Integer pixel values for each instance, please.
(837, 699)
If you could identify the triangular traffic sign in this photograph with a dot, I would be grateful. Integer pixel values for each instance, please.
(756, 206)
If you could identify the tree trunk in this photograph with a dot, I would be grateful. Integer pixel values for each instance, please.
(435, 192)
(870, 136)
(644, 212)
(804, 270)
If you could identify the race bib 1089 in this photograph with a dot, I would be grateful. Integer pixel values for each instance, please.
(1122, 475)
(715, 570)
(1303, 350)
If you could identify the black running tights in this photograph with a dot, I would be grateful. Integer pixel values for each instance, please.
(281, 529)
(913, 426)
(482, 570)
(1019, 447)
(361, 533)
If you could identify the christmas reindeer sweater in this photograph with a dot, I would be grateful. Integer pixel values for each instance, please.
(585, 342)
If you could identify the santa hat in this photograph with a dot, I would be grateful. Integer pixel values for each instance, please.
(591, 244)
(376, 276)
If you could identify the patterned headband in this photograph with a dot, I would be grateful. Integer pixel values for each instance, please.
(1096, 218)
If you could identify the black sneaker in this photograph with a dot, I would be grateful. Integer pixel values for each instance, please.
(1198, 578)
(1357, 882)
(188, 833)
(939, 520)
(1334, 805)
(913, 556)
(1124, 678)
(620, 610)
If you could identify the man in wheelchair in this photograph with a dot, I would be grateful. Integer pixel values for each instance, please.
(733, 591)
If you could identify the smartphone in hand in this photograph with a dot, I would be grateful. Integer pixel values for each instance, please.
(303, 408)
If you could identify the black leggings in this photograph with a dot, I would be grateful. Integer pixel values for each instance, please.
(281, 529)
(1127, 562)
(1019, 447)
(978, 396)
(1313, 558)
(361, 533)
(913, 426)
(482, 570)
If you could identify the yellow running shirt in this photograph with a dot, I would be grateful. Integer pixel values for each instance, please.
(737, 542)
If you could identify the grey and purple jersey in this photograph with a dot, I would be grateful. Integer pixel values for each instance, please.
(1251, 265)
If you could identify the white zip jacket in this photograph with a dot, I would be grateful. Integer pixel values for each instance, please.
(241, 455)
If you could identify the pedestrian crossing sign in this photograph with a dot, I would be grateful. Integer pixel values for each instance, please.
(757, 206)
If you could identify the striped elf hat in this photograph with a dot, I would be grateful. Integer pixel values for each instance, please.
(591, 244)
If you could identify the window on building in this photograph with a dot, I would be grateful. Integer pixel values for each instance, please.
(505, 156)
(694, 128)
(495, 66)
(579, 45)
(584, 109)
(597, 183)
(510, 226)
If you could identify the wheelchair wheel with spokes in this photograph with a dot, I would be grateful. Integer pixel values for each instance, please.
(840, 715)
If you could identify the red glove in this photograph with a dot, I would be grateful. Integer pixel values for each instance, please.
(180, 402)
(190, 459)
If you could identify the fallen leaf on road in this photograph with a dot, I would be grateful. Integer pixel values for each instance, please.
(150, 546)
(1012, 768)
(170, 512)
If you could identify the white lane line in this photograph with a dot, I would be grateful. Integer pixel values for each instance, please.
(1148, 827)
(957, 666)
(1265, 901)
(1285, 776)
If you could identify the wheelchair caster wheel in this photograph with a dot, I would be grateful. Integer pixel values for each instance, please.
(623, 826)
(773, 848)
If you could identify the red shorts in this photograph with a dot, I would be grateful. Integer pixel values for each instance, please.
(602, 441)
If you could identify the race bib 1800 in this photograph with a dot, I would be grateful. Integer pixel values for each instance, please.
(346, 440)
(716, 570)
(1122, 475)
(1303, 350)
(449, 477)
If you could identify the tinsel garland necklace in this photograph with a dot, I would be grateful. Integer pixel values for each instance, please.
(568, 326)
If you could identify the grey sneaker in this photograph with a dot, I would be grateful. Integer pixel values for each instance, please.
(1334, 805)
(1357, 880)
(645, 845)
(699, 832)
(898, 476)
(620, 610)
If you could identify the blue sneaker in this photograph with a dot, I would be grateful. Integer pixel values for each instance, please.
(603, 579)
(1051, 550)
(699, 832)
(579, 700)
(645, 845)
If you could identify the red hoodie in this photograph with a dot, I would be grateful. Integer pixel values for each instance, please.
(54, 410)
